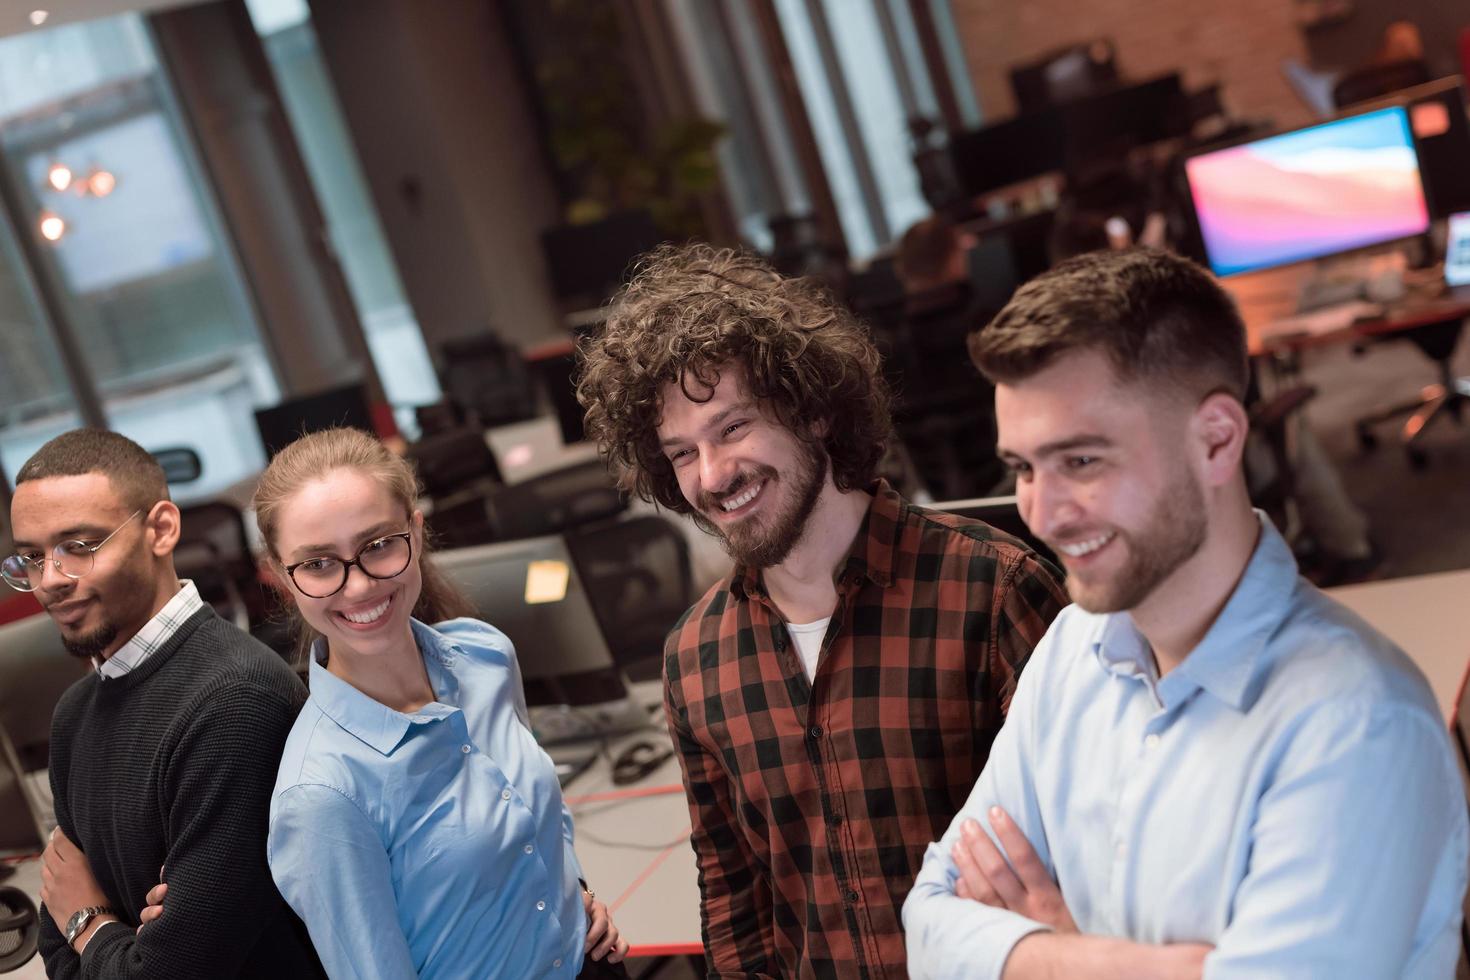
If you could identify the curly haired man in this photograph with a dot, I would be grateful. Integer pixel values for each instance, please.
(834, 698)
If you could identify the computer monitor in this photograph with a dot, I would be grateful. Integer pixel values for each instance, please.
(1327, 189)
(530, 590)
(285, 423)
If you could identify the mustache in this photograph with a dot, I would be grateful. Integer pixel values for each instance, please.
(737, 486)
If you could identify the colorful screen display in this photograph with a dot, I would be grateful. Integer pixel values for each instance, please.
(1315, 192)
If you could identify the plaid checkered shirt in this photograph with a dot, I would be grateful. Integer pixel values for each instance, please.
(812, 803)
(154, 633)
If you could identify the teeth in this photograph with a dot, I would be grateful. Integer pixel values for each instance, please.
(371, 616)
(745, 498)
(1085, 547)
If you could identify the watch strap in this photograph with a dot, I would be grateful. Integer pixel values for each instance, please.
(82, 918)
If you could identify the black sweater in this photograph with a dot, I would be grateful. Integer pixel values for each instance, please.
(173, 764)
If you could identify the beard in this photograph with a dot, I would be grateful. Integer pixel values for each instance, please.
(1174, 535)
(762, 541)
(89, 646)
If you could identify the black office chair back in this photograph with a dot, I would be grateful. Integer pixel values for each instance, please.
(214, 552)
(19, 929)
(488, 379)
(554, 502)
(639, 577)
(1378, 80)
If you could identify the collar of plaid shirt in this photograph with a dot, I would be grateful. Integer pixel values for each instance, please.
(154, 634)
(872, 553)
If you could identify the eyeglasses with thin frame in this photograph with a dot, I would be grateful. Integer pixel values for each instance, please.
(73, 559)
(326, 575)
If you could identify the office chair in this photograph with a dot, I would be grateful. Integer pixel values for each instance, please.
(1377, 80)
(640, 579)
(1449, 395)
(20, 929)
(487, 379)
(554, 502)
(35, 670)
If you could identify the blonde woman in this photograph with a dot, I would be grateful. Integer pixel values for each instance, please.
(415, 826)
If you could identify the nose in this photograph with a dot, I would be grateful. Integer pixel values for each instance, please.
(1047, 504)
(52, 580)
(716, 469)
(363, 579)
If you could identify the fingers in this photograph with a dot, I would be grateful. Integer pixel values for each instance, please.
(63, 846)
(993, 867)
(619, 951)
(149, 913)
(597, 924)
(608, 942)
(1028, 867)
(976, 884)
(155, 896)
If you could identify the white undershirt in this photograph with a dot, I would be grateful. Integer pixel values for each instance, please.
(808, 639)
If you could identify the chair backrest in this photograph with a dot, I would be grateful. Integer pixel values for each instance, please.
(214, 552)
(35, 670)
(20, 929)
(554, 502)
(639, 577)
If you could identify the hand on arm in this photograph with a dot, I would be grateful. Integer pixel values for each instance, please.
(68, 885)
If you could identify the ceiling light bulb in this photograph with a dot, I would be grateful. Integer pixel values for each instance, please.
(101, 183)
(38, 17)
(59, 176)
(52, 226)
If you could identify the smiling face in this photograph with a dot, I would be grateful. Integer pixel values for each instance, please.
(100, 611)
(335, 516)
(1103, 478)
(750, 480)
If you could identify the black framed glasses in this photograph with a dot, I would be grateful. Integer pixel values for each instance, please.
(380, 558)
(73, 559)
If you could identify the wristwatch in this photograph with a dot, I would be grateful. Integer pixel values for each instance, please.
(82, 918)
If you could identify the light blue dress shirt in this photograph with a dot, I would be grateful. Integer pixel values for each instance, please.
(432, 844)
(1287, 794)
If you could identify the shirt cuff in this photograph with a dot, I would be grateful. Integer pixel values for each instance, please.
(97, 940)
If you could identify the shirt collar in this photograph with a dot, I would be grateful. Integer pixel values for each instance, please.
(1230, 661)
(873, 550)
(371, 722)
(153, 634)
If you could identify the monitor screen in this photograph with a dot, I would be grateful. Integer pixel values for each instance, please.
(1332, 188)
(281, 425)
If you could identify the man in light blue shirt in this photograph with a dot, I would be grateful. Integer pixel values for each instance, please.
(1209, 767)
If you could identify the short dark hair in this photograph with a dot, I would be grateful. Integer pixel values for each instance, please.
(693, 310)
(925, 250)
(133, 472)
(1157, 316)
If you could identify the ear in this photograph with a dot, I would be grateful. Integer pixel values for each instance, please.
(164, 524)
(416, 525)
(1218, 431)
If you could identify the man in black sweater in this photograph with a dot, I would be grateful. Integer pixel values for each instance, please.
(162, 759)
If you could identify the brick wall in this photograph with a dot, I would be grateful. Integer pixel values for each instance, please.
(1239, 43)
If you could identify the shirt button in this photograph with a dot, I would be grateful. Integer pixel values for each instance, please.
(556, 964)
(836, 820)
(1120, 848)
(1151, 741)
(852, 898)
(465, 749)
(540, 906)
(815, 732)
(505, 794)
(528, 848)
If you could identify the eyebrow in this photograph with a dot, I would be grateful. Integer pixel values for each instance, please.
(715, 421)
(80, 532)
(1070, 444)
(325, 550)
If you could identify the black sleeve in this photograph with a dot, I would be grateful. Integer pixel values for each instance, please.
(221, 898)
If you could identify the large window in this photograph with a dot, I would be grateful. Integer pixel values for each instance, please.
(399, 353)
(119, 237)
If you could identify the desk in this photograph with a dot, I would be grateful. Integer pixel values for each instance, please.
(1267, 302)
(633, 842)
(1427, 616)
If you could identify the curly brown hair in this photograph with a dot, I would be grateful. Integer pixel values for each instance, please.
(692, 311)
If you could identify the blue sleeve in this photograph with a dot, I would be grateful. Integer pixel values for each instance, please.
(330, 865)
(953, 937)
(1358, 849)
